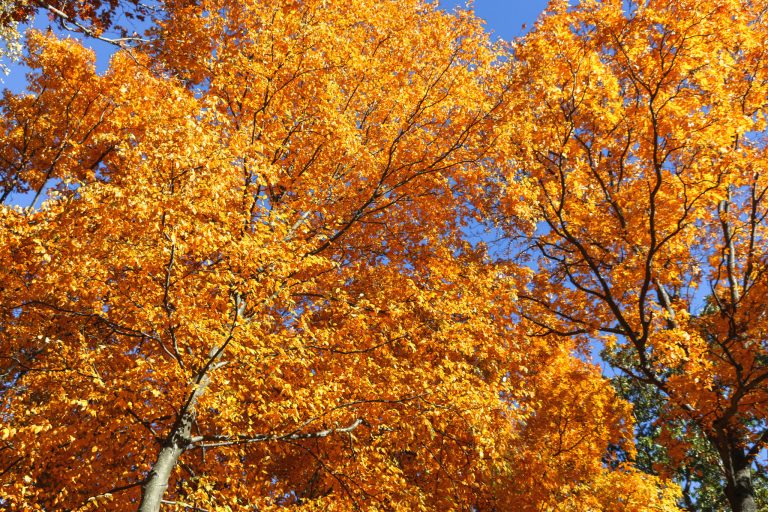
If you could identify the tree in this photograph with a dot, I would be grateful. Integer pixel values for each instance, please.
(93, 18)
(696, 469)
(246, 286)
(111, 21)
(640, 130)
(10, 37)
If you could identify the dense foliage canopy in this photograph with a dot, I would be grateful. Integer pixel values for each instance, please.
(247, 278)
(641, 141)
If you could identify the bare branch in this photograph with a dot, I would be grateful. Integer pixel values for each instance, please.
(73, 25)
(295, 436)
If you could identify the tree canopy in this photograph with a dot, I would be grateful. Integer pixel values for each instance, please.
(247, 278)
(641, 139)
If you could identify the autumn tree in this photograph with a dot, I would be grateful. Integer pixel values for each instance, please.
(640, 130)
(108, 20)
(243, 281)
(698, 469)
(10, 38)
(118, 22)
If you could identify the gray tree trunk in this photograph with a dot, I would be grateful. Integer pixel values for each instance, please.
(157, 480)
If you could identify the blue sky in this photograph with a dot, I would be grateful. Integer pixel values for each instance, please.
(504, 18)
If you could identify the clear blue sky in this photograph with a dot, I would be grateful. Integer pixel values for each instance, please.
(504, 19)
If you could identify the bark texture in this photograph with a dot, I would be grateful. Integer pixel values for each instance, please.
(738, 488)
(157, 480)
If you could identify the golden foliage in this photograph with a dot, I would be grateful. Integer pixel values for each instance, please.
(247, 283)
(640, 136)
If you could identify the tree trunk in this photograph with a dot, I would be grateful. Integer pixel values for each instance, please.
(157, 480)
(738, 471)
(180, 436)
(738, 487)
